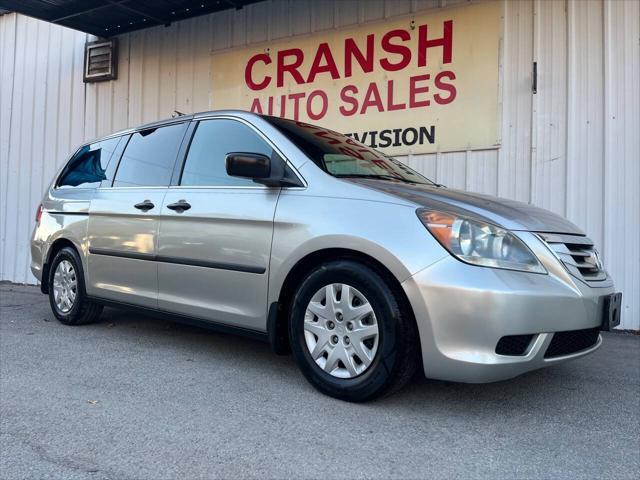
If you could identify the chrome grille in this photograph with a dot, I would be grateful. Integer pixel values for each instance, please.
(578, 255)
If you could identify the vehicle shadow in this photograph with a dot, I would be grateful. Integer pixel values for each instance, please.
(535, 392)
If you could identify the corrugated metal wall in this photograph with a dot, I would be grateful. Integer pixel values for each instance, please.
(573, 148)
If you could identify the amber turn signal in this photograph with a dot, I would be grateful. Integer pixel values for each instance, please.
(439, 224)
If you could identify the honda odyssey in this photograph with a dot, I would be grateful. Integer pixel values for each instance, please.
(301, 236)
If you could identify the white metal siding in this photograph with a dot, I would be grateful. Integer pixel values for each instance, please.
(573, 148)
(621, 151)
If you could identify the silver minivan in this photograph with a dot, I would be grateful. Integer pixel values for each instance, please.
(324, 247)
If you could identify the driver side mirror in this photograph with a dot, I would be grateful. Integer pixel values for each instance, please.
(248, 165)
(261, 169)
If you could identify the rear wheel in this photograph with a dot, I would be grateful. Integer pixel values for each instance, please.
(67, 294)
(349, 334)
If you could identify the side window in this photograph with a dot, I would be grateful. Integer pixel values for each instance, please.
(149, 157)
(88, 167)
(212, 141)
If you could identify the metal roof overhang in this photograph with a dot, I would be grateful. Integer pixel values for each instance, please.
(107, 18)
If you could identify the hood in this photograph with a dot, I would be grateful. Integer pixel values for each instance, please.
(508, 214)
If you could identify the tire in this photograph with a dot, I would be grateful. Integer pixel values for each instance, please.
(78, 311)
(395, 358)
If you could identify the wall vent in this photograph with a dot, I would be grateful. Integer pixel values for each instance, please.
(100, 61)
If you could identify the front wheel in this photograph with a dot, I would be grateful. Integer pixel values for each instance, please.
(67, 294)
(349, 334)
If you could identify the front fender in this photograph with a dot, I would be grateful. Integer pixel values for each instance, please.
(389, 233)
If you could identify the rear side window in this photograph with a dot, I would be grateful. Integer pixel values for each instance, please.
(149, 157)
(212, 141)
(88, 167)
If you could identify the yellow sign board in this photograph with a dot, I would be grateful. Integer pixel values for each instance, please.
(417, 84)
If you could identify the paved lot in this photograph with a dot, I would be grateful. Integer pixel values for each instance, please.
(136, 397)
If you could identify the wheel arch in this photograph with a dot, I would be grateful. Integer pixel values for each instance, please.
(279, 311)
(55, 247)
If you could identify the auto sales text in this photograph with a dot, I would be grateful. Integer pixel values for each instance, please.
(393, 51)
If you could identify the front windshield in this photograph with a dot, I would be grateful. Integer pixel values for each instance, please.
(342, 156)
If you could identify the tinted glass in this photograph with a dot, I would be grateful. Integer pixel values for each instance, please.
(149, 157)
(88, 166)
(342, 156)
(213, 140)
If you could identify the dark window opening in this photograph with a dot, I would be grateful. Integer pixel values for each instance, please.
(88, 167)
(342, 156)
(212, 141)
(149, 157)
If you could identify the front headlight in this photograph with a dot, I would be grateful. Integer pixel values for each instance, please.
(479, 243)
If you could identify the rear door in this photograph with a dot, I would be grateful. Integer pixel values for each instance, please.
(123, 219)
(213, 254)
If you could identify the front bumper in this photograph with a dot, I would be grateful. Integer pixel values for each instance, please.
(462, 311)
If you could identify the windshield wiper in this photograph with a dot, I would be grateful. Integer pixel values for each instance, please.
(380, 177)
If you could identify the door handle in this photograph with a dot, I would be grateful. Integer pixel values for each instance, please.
(180, 206)
(144, 206)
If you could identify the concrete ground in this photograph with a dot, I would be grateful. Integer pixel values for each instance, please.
(137, 397)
